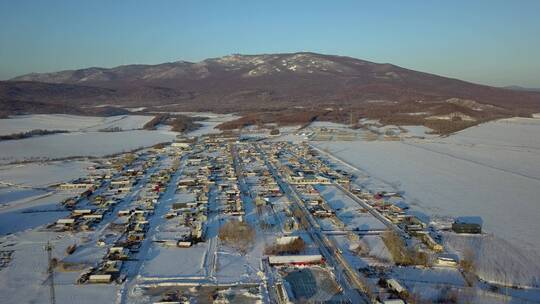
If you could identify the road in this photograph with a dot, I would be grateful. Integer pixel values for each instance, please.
(345, 274)
(363, 203)
(373, 211)
(212, 234)
(153, 223)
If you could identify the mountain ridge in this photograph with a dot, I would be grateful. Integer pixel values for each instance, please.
(274, 82)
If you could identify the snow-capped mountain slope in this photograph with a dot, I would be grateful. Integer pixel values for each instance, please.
(268, 81)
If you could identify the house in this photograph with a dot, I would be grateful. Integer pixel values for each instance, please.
(81, 212)
(395, 286)
(178, 206)
(75, 186)
(285, 240)
(123, 189)
(112, 267)
(183, 244)
(100, 279)
(308, 179)
(182, 145)
(122, 183)
(467, 224)
(97, 217)
(295, 259)
(65, 223)
(135, 237)
(118, 253)
(393, 301)
(187, 182)
(446, 260)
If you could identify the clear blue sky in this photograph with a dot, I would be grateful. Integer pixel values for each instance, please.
(484, 41)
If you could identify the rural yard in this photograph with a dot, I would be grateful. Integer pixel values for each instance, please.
(323, 213)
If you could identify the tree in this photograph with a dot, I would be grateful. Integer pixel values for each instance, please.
(467, 261)
(236, 234)
(401, 254)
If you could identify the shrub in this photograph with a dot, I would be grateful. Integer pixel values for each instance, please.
(293, 247)
(236, 234)
(400, 253)
(467, 261)
(32, 133)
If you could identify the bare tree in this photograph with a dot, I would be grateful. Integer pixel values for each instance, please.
(239, 235)
(296, 246)
(467, 262)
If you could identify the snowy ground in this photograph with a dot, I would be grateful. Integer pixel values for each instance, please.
(42, 174)
(490, 171)
(32, 212)
(28, 268)
(80, 144)
(173, 262)
(24, 123)
(493, 258)
(348, 211)
(23, 190)
(85, 139)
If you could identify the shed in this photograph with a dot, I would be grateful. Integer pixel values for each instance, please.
(395, 286)
(66, 222)
(295, 259)
(100, 278)
(446, 260)
(467, 224)
(285, 240)
(78, 212)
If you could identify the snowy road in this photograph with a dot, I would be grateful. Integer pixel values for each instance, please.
(158, 217)
(346, 275)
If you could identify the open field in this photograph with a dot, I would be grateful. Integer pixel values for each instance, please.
(79, 144)
(24, 123)
(43, 174)
(496, 177)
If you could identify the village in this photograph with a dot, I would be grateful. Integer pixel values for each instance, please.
(221, 219)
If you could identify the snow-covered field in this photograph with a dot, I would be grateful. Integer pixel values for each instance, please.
(163, 262)
(85, 139)
(494, 258)
(19, 215)
(25, 280)
(23, 188)
(80, 144)
(42, 174)
(24, 123)
(492, 171)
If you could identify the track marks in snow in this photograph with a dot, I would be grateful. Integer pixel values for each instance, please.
(472, 161)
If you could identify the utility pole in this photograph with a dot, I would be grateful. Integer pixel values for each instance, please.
(505, 289)
(50, 272)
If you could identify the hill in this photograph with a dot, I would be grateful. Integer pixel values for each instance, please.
(270, 86)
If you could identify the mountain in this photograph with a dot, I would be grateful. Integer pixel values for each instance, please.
(274, 83)
(520, 88)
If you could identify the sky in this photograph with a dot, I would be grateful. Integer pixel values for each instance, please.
(483, 41)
